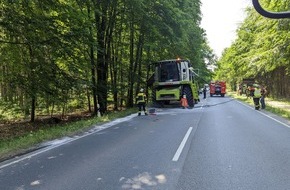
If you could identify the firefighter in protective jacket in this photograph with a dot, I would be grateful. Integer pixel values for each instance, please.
(256, 96)
(141, 102)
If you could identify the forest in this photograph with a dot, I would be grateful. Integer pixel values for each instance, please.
(59, 57)
(261, 51)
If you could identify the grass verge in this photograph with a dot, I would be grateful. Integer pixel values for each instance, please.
(283, 112)
(20, 145)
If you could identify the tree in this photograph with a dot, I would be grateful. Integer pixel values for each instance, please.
(61, 54)
(260, 51)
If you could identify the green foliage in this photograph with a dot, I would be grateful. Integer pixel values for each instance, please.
(63, 55)
(261, 51)
(10, 112)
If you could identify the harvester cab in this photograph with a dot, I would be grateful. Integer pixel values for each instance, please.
(172, 79)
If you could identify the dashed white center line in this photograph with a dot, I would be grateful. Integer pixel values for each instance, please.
(181, 146)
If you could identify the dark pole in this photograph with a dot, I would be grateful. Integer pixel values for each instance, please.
(275, 15)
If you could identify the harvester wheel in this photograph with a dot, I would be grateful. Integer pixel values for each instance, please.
(189, 97)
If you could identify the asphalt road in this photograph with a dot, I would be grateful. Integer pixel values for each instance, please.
(220, 144)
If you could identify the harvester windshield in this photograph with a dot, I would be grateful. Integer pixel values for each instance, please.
(168, 72)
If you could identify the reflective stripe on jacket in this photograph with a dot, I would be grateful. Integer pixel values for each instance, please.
(257, 93)
(140, 98)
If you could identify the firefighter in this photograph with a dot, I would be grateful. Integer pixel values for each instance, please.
(183, 101)
(256, 96)
(141, 101)
(263, 95)
(204, 92)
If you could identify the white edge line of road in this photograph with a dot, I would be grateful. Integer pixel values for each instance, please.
(38, 152)
(181, 146)
(50, 147)
(266, 115)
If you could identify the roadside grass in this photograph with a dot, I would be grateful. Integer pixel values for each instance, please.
(283, 112)
(29, 141)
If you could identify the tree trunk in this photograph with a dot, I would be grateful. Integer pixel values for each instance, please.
(93, 69)
(32, 85)
(93, 75)
(113, 73)
(89, 101)
(130, 100)
(32, 113)
(110, 58)
(102, 67)
(138, 62)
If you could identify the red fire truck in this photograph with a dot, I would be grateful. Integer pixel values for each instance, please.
(218, 88)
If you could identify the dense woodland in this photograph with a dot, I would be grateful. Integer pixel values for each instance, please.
(63, 56)
(260, 51)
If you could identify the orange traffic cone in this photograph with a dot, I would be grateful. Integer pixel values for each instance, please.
(184, 102)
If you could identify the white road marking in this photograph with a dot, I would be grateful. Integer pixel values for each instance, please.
(57, 143)
(275, 119)
(181, 146)
(266, 115)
